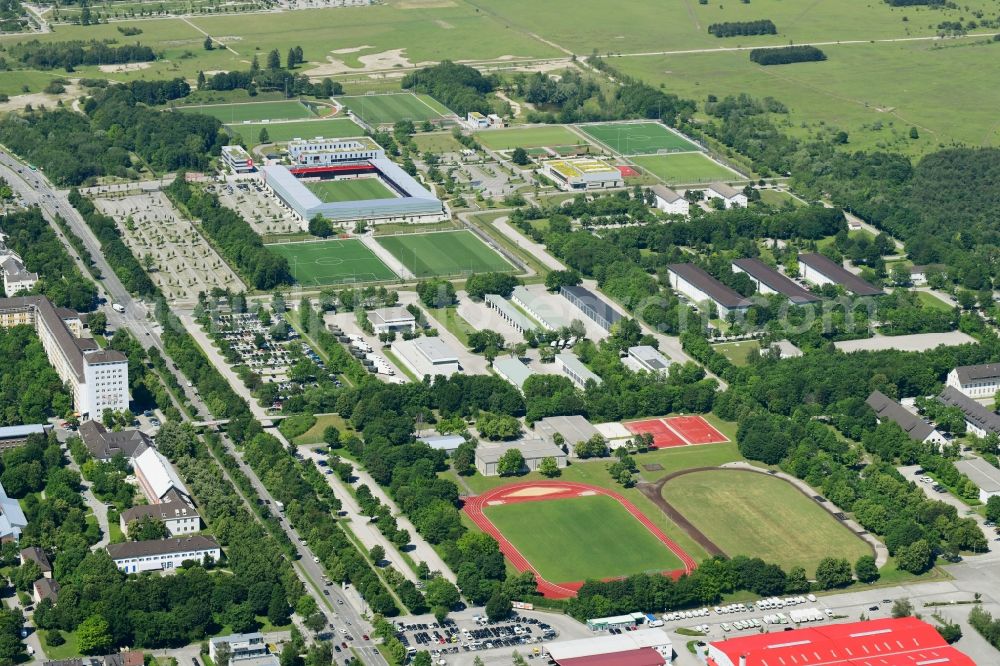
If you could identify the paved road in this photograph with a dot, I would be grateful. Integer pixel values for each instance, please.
(35, 189)
(964, 511)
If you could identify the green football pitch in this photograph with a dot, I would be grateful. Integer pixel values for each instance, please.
(444, 253)
(638, 138)
(746, 513)
(528, 137)
(334, 261)
(251, 111)
(331, 128)
(354, 189)
(390, 109)
(684, 168)
(581, 538)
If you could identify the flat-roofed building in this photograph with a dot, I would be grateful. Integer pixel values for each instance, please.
(237, 159)
(427, 356)
(642, 647)
(512, 370)
(978, 420)
(13, 436)
(670, 201)
(732, 197)
(573, 429)
(574, 368)
(242, 647)
(770, 281)
(984, 475)
(390, 320)
(592, 305)
(649, 358)
(446, 443)
(701, 287)
(510, 314)
(820, 270)
(976, 381)
(582, 173)
(887, 409)
(534, 451)
(162, 554)
(321, 150)
(540, 307)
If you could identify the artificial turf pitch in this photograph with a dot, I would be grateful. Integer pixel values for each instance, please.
(353, 189)
(335, 261)
(252, 111)
(747, 513)
(390, 109)
(684, 168)
(638, 138)
(581, 538)
(331, 128)
(443, 253)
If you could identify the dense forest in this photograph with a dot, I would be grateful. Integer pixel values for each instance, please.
(743, 28)
(30, 390)
(71, 54)
(29, 234)
(786, 55)
(459, 87)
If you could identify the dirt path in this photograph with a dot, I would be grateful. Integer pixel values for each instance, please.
(654, 491)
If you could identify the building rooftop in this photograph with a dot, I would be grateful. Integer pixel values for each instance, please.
(725, 190)
(838, 274)
(442, 442)
(22, 431)
(491, 452)
(158, 473)
(760, 271)
(974, 412)
(885, 642)
(164, 511)
(12, 518)
(46, 588)
(574, 429)
(333, 145)
(239, 152)
(650, 357)
(511, 312)
(582, 166)
(391, 316)
(435, 350)
(512, 370)
(570, 360)
(707, 284)
(975, 373)
(637, 657)
(249, 637)
(130, 549)
(983, 474)
(38, 556)
(608, 645)
(665, 193)
(888, 409)
(104, 444)
(542, 305)
(588, 299)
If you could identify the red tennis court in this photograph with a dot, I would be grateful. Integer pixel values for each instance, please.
(696, 430)
(627, 171)
(663, 436)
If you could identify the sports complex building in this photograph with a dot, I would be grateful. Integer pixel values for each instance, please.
(351, 179)
(582, 173)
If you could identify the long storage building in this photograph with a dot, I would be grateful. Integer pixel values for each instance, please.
(770, 281)
(699, 286)
(820, 270)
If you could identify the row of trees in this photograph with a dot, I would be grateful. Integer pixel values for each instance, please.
(786, 55)
(743, 28)
(68, 55)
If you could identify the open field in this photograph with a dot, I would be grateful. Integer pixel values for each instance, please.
(638, 138)
(252, 111)
(390, 109)
(444, 253)
(746, 513)
(334, 261)
(353, 189)
(528, 137)
(737, 352)
(684, 168)
(303, 129)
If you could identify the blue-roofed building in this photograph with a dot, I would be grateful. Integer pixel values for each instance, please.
(12, 519)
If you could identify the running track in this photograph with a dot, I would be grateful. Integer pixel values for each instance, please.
(474, 509)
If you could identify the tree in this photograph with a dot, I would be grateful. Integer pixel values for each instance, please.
(147, 529)
(464, 458)
(902, 608)
(511, 463)
(498, 426)
(916, 557)
(377, 553)
(595, 447)
(331, 436)
(914, 134)
(208, 43)
(833, 572)
(320, 226)
(480, 341)
(557, 279)
(278, 611)
(97, 322)
(422, 659)
(263, 136)
(274, 59)
(865, 569)
(796, 582)
(436, 293)
(549, 468)
(315, 621)
(201, 80)
(520, 157)
(94, 635)
(441, 592)
(993, 509)
(222, 654)
(290, 59)
(498, 607)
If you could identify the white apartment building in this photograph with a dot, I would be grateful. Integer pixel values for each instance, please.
(975, 381)
(162, 554)
(97, 377)
(15, 277)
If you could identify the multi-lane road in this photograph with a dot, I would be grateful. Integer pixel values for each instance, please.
(343, 606)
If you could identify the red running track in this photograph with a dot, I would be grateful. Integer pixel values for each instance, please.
(474, 509)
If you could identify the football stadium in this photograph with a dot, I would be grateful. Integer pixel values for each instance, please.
(349, 179)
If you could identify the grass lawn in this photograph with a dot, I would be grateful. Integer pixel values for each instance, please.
(779, 198)
(737, 352)
(929, 300)
(333, 261)
(684, 168)
(334, 128)
(437, 142)
(444, 253)
(581, 538)
(638, 138)
(67, 650)
(453, 322)
(687, 457)
(315, 434)
(390, 109)
(351, 189)
(762, 516)
(251, 111)
(528, 137)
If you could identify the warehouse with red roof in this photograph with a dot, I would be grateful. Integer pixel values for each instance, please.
(889, 642)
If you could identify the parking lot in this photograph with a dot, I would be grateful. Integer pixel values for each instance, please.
(257, 206)
(453, 638)
(182, 262)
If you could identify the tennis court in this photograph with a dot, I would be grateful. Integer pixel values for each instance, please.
(351, 189)
(390, 109)
(333, 261)
(663, 436)
(444, 253)
(696, 430)
(639, 138)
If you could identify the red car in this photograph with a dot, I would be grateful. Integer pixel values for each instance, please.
(364, 636)
(343, 645)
